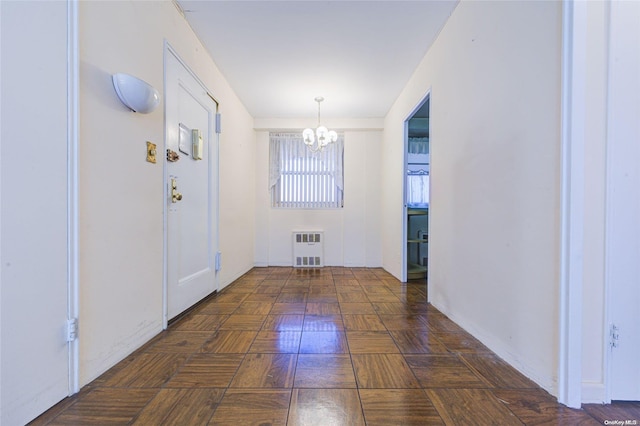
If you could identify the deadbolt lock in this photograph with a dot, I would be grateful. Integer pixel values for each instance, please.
(175, 195)
(172, 156)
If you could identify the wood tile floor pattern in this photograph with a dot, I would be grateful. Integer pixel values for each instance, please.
(335, 346)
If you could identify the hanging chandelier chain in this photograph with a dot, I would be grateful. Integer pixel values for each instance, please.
(319, 99)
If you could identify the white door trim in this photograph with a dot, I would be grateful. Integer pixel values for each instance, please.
(73, 132)
(621, 228)
(404, 250)
(574, 48)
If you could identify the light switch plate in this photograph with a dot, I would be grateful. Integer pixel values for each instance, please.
(151, 152)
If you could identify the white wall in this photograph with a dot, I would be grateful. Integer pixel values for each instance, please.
(352, 234)
(33, 229)
(494, 77)
(121, 195)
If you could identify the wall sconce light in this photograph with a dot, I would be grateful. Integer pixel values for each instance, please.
(137, 95)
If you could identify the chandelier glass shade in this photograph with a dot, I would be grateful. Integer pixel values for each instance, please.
(317, 139)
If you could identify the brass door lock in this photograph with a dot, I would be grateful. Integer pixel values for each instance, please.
(172, 156)
(175, 195)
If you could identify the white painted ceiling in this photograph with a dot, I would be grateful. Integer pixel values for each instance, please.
(279, 55)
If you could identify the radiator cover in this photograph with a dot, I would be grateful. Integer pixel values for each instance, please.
(308, 249)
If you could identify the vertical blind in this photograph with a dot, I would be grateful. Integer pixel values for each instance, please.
(300, 178)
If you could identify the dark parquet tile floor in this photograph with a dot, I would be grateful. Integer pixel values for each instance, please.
(331, 346)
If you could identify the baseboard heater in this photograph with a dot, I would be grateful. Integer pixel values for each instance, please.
(308, 249)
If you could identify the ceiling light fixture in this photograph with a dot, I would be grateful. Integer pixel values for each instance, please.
(321, 137)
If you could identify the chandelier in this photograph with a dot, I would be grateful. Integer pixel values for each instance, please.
(321, 137)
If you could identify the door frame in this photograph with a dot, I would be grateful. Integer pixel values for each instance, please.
(573, 117)
(73, 215)
(616, 242)
(405, 159)
(575, 26)
(169, 50)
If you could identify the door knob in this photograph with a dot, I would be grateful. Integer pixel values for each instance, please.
(175, 195)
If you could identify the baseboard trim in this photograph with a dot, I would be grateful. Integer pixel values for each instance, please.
(593, 393)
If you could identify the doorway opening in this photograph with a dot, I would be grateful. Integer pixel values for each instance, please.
(416, 193)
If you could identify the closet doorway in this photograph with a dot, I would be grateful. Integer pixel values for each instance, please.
(416, 193)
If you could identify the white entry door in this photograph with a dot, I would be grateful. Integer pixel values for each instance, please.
(192, 199)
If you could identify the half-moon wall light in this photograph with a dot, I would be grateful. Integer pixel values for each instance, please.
(136, 94)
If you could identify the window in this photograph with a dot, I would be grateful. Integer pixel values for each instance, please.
(303, 179)
(418, 188)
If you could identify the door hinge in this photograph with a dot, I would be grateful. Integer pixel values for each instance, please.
(218, 261)
(218, 123)
(72, 329)
(614, 336)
